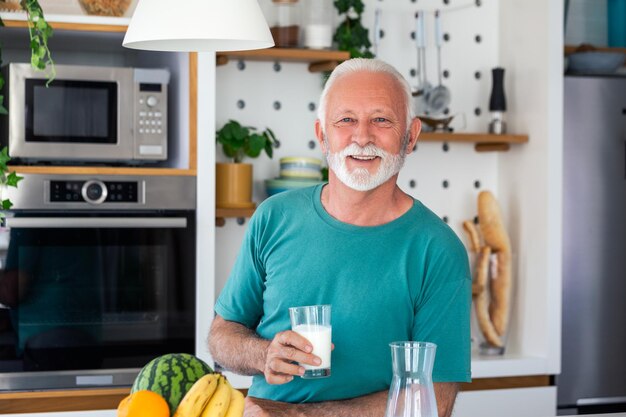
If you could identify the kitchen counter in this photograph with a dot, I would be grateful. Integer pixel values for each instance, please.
(112, 413)
(93, 413)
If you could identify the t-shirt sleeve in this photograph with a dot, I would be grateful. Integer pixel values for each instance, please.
(442, 312)
(241, 300)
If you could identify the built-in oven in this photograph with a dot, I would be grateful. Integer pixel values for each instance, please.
(97, 279)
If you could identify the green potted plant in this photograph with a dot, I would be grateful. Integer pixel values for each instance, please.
(39, 31)
(234, 179)
(351, 35)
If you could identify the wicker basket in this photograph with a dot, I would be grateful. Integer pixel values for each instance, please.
(105, 7)
(10, 6)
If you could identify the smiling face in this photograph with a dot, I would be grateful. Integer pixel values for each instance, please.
(366, 138)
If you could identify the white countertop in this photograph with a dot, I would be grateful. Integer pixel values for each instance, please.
(112, 413)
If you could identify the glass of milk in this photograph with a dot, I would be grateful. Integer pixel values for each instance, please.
(313, 322)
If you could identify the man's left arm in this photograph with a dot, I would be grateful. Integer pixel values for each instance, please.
(372, 405)
(445, 392)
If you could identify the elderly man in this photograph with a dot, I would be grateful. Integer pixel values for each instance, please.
(390, 268)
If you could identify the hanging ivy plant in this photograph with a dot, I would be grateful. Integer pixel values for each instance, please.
(39, 32)
(350, 35)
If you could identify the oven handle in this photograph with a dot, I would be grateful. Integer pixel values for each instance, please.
(95, 222)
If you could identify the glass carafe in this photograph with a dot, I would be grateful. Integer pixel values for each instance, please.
(412, 393)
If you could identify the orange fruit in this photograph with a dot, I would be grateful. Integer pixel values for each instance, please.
(143, 404)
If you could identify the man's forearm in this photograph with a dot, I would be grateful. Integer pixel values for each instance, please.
(446, 395)
(375, 404)
(372, 405)
(236, 347)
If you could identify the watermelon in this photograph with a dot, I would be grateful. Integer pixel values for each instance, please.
(171, 376)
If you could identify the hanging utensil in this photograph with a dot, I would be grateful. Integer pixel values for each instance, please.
(439, 97)
(423, 86)
(377, 30)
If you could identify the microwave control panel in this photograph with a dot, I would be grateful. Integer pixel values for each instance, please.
(150, 113)
(94, 191)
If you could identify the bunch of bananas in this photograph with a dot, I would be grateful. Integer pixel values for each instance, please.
(211, 396)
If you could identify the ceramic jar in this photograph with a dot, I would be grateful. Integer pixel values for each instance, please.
(318, 24)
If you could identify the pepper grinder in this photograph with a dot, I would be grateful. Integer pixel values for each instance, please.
(497, 102)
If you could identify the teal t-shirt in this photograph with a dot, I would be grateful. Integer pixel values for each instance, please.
(405, 280)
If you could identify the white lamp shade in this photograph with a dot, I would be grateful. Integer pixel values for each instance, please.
(198, 26)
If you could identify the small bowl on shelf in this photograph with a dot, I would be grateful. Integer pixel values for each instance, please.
(302, 168)
(595, 62)
(278, 185)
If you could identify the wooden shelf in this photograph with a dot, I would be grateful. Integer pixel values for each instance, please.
(90, 170)
(221, 214)
(319, 60)
(483, 142)
(53, 400)
(74, 26)
(570, 49)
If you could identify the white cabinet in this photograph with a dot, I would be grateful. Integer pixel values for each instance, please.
(519, 402)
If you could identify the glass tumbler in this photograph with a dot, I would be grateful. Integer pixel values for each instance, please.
(412, 393)
(313, 323)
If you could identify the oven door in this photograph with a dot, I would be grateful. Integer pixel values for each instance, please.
(88, 299)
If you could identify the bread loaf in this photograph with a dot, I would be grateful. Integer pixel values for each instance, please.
(472, 234)
(481, 299)
(495, 236)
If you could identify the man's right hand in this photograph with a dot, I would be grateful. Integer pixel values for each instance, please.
(283, 352)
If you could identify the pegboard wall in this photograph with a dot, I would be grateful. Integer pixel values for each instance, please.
(284, 96)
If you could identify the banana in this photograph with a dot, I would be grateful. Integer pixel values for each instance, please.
(218, 405)
(235, 409)
(198, 396)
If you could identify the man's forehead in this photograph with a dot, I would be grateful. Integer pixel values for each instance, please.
(360, 77)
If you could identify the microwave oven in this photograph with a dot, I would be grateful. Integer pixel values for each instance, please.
(86, 114)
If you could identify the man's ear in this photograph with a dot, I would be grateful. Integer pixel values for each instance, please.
(414, 132)
(319, 134)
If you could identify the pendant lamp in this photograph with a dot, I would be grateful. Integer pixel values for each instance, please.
(198, 26)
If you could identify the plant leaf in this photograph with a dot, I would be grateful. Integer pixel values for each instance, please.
(255, 145)
(4, 158)
(269, 149)
(13, 179)
(6, 204)
(270, 142)
(230, 150)
(3, 110)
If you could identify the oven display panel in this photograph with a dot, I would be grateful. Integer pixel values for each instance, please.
(81, 191)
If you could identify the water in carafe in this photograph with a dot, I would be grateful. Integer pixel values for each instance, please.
(412, 393)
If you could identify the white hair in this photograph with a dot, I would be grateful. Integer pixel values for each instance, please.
(355, 65)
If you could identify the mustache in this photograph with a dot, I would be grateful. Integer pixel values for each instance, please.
(368, 150)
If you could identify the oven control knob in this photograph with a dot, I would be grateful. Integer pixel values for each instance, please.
(152, 101)
(94, 191)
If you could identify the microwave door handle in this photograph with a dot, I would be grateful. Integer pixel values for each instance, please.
(95, 222)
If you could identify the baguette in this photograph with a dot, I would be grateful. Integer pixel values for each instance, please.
(496, 237)
(481, 300)
(472, 234)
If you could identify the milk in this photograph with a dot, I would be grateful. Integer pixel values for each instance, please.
(320, 337)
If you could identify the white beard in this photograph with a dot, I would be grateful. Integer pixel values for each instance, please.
(360, 179)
